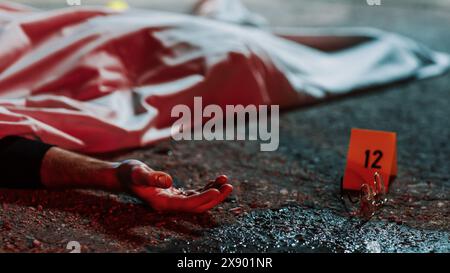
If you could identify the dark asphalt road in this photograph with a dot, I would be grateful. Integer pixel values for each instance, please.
(301, 178)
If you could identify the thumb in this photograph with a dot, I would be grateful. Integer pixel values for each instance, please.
(145, 176)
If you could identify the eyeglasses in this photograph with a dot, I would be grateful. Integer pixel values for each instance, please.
(371, 198)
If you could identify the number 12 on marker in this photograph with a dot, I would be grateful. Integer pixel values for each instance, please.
(370, 151)
(378, 154)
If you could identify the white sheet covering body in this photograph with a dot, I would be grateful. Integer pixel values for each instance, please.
(94, 80)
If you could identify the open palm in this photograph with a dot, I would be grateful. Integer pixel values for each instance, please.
(155, 188)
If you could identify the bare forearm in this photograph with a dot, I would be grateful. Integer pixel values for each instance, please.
(65, 169)
(32, 164)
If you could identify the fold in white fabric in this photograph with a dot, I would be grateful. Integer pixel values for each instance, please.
(94, 80)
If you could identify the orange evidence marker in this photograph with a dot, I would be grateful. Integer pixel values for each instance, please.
(370, 151)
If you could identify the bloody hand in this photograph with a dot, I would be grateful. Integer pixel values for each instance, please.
(155, 188)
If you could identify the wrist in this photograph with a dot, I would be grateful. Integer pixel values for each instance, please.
(108, 179)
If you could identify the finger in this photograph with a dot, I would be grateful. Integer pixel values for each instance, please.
(221, 180)
(160, 179)
(217, 183)
(190, 203)
(191, 192)
(171, 200)
(147, 177)
(225, 191)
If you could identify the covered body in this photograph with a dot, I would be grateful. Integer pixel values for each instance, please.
(94, 80)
